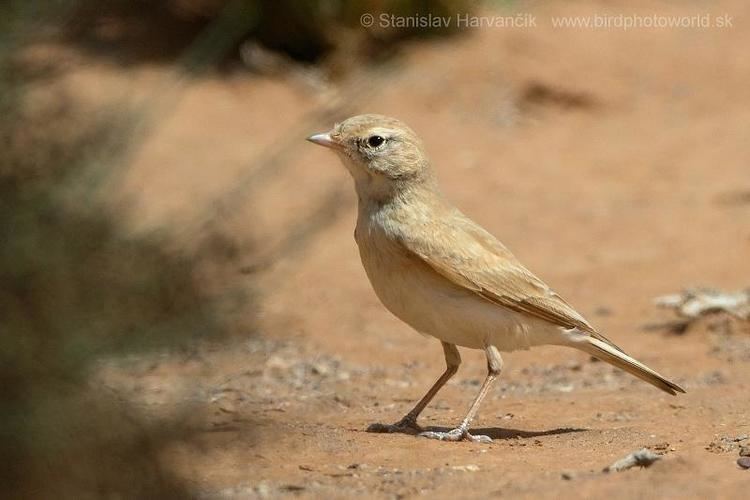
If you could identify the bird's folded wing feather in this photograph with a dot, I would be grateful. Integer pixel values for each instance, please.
(472, 258)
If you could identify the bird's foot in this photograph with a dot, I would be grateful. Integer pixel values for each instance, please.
(457, 434)
(406, 425)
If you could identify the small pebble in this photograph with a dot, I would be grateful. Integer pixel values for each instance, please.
(603, 311)
(744, 462)
(745, 450)
(466, 468)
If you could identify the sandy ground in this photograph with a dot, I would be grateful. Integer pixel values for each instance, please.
(614, 164)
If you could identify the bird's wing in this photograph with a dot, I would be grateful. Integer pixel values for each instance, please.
(472, 258)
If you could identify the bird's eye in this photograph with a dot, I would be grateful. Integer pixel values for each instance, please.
(375, 141)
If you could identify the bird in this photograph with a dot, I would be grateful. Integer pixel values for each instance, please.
(446, 276)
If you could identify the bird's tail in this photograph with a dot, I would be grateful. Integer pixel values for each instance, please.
(606, 352)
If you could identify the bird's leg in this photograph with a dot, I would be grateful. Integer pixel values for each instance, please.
(494, 366)
(409, 424)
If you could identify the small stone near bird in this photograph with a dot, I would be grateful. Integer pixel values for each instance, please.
(696, 302)
(641, 458)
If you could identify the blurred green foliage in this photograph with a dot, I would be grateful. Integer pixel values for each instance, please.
(309, 30)
(76, 288)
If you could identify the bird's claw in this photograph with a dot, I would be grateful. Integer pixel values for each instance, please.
(456, 435)
(404, 426)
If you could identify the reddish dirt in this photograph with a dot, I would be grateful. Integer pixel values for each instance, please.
(613, 163)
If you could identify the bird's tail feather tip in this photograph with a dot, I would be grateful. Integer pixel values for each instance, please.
(671, 387)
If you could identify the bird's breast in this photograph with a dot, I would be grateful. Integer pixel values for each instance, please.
(433, 305)
(412, 290)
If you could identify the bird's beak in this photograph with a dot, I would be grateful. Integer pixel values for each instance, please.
(324, 140)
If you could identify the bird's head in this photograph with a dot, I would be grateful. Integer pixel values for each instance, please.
(381, 153)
